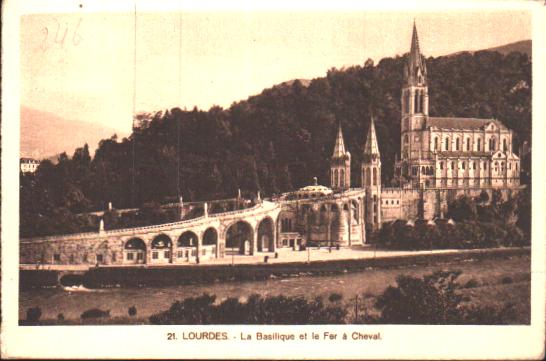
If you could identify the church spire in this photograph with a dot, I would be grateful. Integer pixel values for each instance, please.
(339, 148)
(416, 69)
(340, 164)
(371, 149)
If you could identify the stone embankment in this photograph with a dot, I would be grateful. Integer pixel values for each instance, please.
(98, 277)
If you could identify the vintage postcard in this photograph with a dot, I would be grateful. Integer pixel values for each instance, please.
(315, 181)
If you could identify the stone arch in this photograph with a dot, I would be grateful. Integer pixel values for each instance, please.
(355, 210)
(266, 235)
(134, 251)
(102, 253)
(240, 236)
(187, 239)
(161, 249)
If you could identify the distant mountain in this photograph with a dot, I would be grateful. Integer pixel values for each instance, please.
(45, 135)
(523, 46)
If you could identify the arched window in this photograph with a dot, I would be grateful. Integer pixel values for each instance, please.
(368, 177)
(492, 144)
(479, 145)
(452, 165)
(416, 102)
(441, 165)
(467, 144)
(516, 164)
(335, 178)
(457, 144)
(435, 143)
(463, 165)
(473, 165)
(342, 178)
(485, 165)
(447, 143)
(423, 170)
(374, 176)
(504, 145)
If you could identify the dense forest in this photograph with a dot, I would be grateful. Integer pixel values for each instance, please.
(273, 142)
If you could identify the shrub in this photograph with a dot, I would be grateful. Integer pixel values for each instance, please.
(280, 310)
(132, 311)
(335, 297)
(488, 315)
(33, 315)
(471, 283)
(428, 300)
(94, 313)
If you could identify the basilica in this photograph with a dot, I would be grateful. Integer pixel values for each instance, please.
(441, 158)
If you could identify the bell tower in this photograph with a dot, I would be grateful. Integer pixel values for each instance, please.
(371, 178)
(340, 165)
(414, 97)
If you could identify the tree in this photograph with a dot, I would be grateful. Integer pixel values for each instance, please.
(463, 208)
(428, 300)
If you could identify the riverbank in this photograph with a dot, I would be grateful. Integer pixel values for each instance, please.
(492, 281)
(282, 267)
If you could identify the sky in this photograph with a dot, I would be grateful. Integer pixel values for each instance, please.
(81, 66)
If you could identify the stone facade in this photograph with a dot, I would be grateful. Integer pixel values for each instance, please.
(449, 152)
(441, 159)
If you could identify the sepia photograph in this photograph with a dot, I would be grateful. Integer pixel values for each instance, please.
(354, 169)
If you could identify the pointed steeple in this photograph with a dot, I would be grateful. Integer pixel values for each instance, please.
(339, 148)
(416, 69)
(371, 149)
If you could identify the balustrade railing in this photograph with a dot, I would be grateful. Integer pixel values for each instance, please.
(263, 207)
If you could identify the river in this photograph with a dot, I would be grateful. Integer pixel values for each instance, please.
(149, 300)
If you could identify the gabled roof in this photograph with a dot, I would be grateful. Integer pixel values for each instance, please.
(460, 123)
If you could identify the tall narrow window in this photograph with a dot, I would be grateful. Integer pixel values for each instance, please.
(368, 177)
(374, 176)
(479, 145)
(335, 178)
(504, 145)
(342, 178)
(435, 143)
(467, 144)
(457, 144)
(441, 165)
(447, 143)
